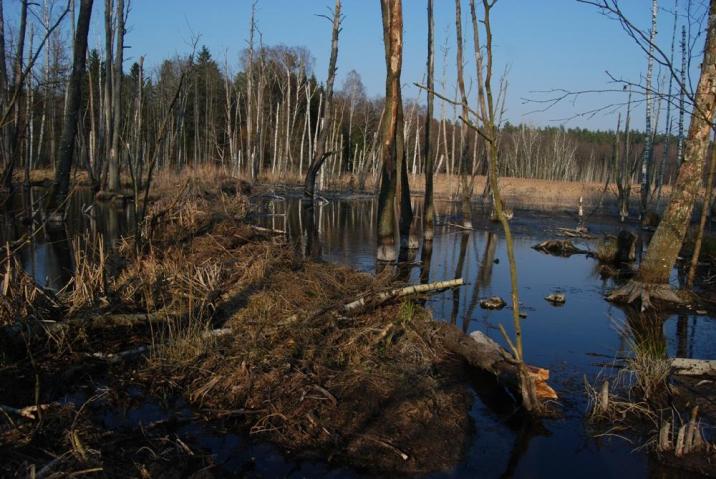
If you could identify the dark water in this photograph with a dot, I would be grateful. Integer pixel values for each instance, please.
(573, 341)
(49, 257)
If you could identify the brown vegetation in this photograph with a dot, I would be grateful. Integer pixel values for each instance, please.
(239, 326)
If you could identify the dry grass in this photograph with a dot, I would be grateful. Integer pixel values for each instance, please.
(21, 299)
(88, 286)
(371, 388)
(378, 389)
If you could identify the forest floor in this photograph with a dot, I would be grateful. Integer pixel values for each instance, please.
(217, 323)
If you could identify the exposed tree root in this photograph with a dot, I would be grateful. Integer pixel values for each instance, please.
(645, 293)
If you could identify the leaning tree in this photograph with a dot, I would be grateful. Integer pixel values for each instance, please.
(652, 280)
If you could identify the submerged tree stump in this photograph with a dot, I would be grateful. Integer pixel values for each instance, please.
(559, 248)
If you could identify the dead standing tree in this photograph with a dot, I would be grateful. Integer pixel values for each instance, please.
(465, 175)
(392, 13)
(320, 154)
(652, 280)
(648, 154)
(61, 184)
(428, 207)
(114, 150)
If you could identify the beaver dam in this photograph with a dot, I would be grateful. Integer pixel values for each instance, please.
(218, 347)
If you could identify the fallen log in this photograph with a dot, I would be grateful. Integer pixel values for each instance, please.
(693, 367)
(483, 353)
(386, 296)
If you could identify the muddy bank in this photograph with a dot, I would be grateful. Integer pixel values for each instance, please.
(226, 318)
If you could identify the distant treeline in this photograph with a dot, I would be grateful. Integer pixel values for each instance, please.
(263, 120)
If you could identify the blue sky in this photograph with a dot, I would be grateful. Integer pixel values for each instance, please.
(545, 43)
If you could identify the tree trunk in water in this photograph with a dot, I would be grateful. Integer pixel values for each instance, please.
(392, 13)
(74, 93)
(320, 153)
(465, 185)
(114, 154)
(428, 206)
(404, 207)
(13, 141)
(107, 110)
(655, 269)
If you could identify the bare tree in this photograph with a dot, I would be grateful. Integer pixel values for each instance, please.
(61, 184)
(392, 14)
(114, 151)
(649, 147)
(428, 206)
(320, 154)
(465, 185)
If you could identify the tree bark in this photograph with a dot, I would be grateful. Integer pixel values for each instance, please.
(61, 184)
(392, 13)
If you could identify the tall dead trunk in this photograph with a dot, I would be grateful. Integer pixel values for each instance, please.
(654, 271)
(320, 153)
(114, 153)
(649, 144)
(428, 206)
(107, 110)
(465, 184)
(14, 136)
(61, 184)
(392, 13)
(667, 129)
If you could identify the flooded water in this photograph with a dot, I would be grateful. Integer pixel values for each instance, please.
(575, 341)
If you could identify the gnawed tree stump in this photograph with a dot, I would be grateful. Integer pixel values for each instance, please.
(494, 302)
(481, 352)
(557, 299)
